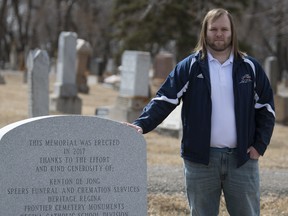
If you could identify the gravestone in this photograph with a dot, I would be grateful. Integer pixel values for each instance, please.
(110, 67)
(2, 80)
(84, 51)
(94, 69)
(163, 65)
(65, 98)
(285, 78)
(38, 83)
(13, 57)
(72, 165)
(281, 104)
(272, 71)
(280, 91)
(172, 125)
(134, 86)
(135, 74)
(97, 67)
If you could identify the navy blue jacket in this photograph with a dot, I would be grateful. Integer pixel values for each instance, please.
(190, 82)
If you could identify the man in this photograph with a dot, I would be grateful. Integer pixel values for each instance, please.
(227, 116)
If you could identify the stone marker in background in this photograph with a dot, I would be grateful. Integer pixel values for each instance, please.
(64, 98)
(280, 90)
(281, 104)
(272, 71)
(72, 165)
(2, 80)
(172, 125)
(97, 67)
(13, 56)
(135, 74)
(84, 51)
(38, 83)
(134, 86)
(285, 73)
(163, 65)
(110, 67)
(281, 107)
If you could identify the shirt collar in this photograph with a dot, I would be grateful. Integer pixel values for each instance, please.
(229, 60)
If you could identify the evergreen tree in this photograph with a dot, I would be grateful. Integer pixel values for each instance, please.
(151, 25)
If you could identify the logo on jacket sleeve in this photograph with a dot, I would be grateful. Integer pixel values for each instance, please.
(245, 79)
(200, 76)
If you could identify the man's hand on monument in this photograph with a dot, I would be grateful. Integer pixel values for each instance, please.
(139, 129)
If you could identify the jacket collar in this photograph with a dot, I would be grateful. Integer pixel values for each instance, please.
(203, 63)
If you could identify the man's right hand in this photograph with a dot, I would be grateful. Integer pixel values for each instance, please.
(139, 129)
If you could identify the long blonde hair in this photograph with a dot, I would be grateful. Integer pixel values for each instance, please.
(211, 16)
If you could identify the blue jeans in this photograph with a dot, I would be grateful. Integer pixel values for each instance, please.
(240, 186)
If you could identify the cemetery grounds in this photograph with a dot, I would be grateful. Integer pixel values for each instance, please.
(166, 191)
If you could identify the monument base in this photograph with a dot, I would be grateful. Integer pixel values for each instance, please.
(125, 115)
(65, 90)
(176, 133)
(127, 108)
(68, 105)
(172, 125)
(83, 88)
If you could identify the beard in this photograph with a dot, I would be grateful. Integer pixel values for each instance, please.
(218, 45)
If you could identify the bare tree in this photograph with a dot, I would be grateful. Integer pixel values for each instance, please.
(147, 25)
(267, 30)
(4, 47)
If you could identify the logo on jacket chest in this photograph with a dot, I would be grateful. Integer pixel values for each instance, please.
(245, 79)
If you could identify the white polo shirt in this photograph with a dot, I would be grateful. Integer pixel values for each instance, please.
(223, 124)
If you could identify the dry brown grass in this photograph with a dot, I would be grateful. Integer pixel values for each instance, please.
(160, 149)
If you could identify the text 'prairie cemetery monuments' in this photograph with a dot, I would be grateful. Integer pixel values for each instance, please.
(72, 165)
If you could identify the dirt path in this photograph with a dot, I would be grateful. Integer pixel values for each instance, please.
(169, 179)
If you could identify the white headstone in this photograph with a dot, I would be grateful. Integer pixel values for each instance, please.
(72, 165)
(38, 82)
(135, 74)
(65, 99)
(173, 123)
(66, 65)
